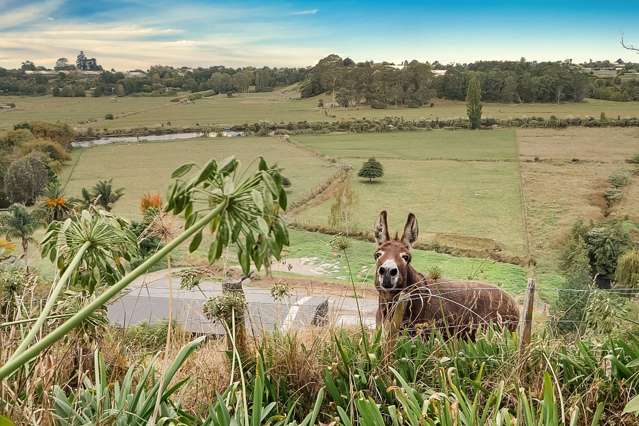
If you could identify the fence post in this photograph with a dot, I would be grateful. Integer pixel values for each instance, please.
(526, 316)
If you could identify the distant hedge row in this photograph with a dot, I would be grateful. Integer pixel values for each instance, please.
(378, 125)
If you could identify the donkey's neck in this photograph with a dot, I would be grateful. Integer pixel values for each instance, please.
(413, 277)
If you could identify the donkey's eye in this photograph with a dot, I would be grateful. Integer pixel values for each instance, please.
(377, 255)
(406, 257)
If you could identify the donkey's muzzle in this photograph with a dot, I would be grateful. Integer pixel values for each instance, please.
(388, 276)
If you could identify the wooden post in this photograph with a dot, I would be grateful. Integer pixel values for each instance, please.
(526, 316)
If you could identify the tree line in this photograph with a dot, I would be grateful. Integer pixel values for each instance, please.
(158, 80)
(379, 85)
(414, 83)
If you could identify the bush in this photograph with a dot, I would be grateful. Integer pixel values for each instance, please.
(51, 149)
(59, 132)
(634, 159)
(108, 117)
(16, 138)
(26, 179)
(619, 179)
(150, 337)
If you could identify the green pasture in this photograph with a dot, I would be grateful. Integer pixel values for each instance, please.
(282, 105)
(146, 167)
(470, 189)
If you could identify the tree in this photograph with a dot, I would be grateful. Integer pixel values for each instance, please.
(26, 178)
(473, 102)
(371, 169)
(102, 194)
(19, 223)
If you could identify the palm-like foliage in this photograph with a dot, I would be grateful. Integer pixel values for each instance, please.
(250, 217)
(111, 246)
(102, 194)
(19, 223)
(239, 211)
(54, 204)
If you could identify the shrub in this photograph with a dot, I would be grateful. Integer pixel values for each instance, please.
(150, 337)
(51, 149)
(26, 179)
(619, 179)
(108, 117)
(634, 159)
(59, 132)
(435, 273)
(16, 138)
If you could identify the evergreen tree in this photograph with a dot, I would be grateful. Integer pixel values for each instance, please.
(372, 169)
(473, 102)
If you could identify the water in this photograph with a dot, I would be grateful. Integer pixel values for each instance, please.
(136, 139)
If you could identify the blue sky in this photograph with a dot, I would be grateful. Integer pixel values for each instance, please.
(127, 34)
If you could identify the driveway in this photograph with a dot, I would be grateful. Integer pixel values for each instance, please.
(147, 300)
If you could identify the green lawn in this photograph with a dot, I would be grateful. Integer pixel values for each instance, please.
(277, 106)
(146, 167)
(470, 189)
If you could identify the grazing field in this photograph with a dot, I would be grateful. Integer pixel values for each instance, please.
(568, 181)
(282, 105)
(462, 183)
(146, 167)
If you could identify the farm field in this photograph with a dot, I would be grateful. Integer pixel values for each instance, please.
(465, 187)
(462, 183)
(568, 181)
(281, 105)
(146, 167)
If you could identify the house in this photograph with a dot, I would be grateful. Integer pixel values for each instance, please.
(83, 63)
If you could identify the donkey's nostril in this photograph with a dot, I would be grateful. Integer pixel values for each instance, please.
(382, 271)
(393, 272)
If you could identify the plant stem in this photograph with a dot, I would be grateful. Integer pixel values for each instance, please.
(101, 300)
(51, 300)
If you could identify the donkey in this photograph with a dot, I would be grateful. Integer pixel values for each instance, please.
(454, 307)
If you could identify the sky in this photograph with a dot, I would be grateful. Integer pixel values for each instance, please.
(130, 34)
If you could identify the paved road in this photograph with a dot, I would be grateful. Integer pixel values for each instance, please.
(147, 300)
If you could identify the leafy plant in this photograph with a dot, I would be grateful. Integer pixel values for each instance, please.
(238, 210)
(130, 402)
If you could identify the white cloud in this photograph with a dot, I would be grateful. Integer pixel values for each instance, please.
(305, 12)
(14, 17)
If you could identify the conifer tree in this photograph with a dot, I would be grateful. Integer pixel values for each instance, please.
(372, 169)
(473, 103)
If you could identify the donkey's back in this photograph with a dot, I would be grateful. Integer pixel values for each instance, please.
(459, 307)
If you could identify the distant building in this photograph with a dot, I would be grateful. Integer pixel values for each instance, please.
(62, 64)
(83, 63)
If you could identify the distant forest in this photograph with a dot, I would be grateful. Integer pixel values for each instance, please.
(379, 85)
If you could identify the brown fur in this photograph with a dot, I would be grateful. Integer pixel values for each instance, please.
(454, 307)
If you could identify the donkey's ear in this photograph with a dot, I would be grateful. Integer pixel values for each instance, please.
(411, 230)
(381, 228)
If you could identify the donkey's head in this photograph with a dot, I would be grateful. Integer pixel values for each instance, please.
(392, 256)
